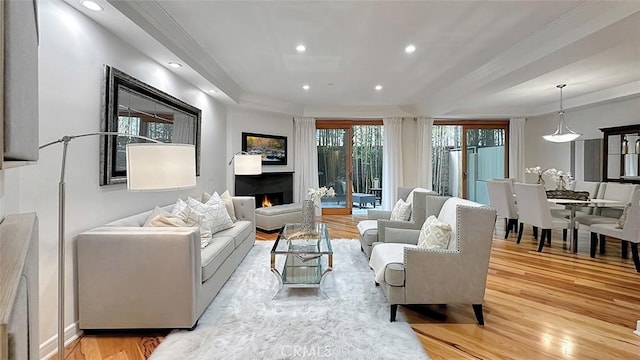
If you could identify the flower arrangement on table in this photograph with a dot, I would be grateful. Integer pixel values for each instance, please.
(316, 194)
(558, 176)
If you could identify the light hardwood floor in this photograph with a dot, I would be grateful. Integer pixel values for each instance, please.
(549, 305)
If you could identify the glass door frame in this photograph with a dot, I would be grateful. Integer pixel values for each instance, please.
(478, 124)
(347, 125)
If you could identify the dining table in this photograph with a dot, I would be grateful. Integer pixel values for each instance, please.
(573, 204)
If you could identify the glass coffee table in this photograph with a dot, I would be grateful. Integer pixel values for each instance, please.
(308, 257)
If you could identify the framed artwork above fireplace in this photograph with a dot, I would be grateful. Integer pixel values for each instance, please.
(272, 148)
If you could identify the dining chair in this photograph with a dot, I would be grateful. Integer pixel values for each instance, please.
(629, 232)
(533, 209)
(501, 198)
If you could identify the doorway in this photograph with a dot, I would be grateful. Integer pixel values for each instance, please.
(466, 154)
(350, 161)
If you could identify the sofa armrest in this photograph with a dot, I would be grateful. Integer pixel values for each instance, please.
(385, 225)
(401, 235)
(245, 208)
(130, 277)
(378, 214)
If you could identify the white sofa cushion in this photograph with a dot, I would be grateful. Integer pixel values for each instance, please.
(434, 234)
(214, 211)
(156, 211)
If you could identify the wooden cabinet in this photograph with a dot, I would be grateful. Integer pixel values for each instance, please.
(19, 287)
(621, 152)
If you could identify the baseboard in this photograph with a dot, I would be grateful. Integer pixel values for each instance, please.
(50, 347)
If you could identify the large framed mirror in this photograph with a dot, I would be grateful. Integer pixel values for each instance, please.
(133, 107)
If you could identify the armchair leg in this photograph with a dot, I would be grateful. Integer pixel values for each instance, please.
(634, 254)
(624, 253)
(575, 233)
(393, 308)
(477, 309)
(549, 237)
(520, 231)
(594, 244)
(535, 232)
(564, 234)
(603, 243)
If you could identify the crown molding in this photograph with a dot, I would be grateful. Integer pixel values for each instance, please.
(151, 17)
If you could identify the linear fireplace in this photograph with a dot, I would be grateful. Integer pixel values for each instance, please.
(275, 188)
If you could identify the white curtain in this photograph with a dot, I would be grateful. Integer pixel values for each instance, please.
(391, 161)
(183, 129)
(306, 157)
(424, 150)
(516, 149)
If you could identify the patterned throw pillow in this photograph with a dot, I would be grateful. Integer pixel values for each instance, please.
(228, 202)
(623, 218)
(434, 234)
(193, 217)
(401, 211)
(215, 212)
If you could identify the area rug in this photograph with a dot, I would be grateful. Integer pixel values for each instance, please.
(243, 322)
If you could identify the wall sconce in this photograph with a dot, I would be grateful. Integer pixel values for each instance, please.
(246, 164)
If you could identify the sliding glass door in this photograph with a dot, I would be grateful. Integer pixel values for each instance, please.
(466, 154)
(334, 168)
(350, 160)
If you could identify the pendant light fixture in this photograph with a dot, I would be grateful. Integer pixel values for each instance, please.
(563, 133)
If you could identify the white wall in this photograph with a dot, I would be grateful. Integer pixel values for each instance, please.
(72, 52)
(586, 121)
(262, 122)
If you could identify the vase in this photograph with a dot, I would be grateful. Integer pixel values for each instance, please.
(562, 184)
(540, 179)
(308, 222)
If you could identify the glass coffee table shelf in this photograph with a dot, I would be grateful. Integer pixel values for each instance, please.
(308, 257)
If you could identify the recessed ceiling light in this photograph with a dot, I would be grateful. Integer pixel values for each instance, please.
(91, 5)
(175, 65)
(410, 49)
(305, 87)
(301, 48)
(378, 87)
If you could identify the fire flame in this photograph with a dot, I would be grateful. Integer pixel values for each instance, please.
(266, 202)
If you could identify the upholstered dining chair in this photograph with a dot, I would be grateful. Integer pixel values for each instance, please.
(630, 231)
(501, 198)
(533, 209)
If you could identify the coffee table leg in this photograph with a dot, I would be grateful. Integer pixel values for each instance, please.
(278, 276)
(329, 269)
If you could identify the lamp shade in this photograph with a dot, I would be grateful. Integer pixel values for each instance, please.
(160, 166)
(247, 164)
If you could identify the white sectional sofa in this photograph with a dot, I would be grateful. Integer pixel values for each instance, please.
(134, 277)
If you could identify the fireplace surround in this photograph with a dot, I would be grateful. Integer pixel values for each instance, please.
(277, 186)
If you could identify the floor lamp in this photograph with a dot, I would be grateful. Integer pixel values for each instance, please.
(152, 166)
(246, 164)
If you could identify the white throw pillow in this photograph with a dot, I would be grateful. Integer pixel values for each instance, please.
(228, 202)
(215, 212)
(434, 234)
(192, 217)
(401, 211)
(167, 220)
(156, 211)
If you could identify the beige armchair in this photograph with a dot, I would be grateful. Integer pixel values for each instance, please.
(372, 230)
(411, 275)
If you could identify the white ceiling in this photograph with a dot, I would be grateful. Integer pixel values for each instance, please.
(473, 58)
